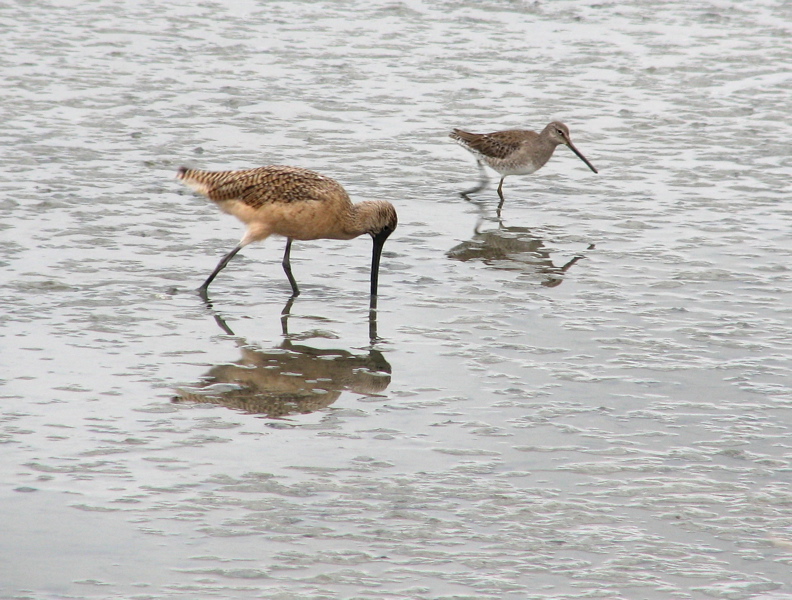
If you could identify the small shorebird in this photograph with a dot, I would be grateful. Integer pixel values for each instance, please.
(516, 151)
(295, 203)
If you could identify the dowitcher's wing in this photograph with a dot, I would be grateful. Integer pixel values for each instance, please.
(500, 144)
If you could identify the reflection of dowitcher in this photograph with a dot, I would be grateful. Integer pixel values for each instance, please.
(295, 203)
(514, 248)
(516, 151)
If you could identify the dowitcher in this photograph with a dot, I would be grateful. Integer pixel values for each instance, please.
(516, 151)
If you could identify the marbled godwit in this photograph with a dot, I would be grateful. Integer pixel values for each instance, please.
(516, 151)
(295, 203)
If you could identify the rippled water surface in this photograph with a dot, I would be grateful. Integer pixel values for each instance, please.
(589, 397)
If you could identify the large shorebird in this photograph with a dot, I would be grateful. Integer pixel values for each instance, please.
(295, 203)
(516, 151)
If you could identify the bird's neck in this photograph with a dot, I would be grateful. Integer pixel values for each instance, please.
(541, 152)
(366, 217)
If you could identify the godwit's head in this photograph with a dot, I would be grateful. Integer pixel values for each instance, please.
(380, 220)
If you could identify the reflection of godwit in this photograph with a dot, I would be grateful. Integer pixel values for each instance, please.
(289, 379)
(516, 151)
(513, 248)
(295, 203)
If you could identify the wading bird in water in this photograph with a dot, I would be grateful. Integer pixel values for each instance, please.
(516, 151)
(295, 203)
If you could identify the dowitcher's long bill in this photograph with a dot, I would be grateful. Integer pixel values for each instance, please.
(295, 203)
(517, 151)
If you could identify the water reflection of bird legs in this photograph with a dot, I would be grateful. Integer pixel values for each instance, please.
(289, 379)
(482, 216)
(372, 316)
(483, 181)
(372, 321)
(286, 313)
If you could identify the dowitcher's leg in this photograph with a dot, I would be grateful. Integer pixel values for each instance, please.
(500, 193)
(287, 268)
(483, 179)
(482, 172)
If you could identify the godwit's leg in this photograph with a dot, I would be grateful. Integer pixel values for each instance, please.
(373, 337)
(287, 268)
(220, 266)
(285, 317)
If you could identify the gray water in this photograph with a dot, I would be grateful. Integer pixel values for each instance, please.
(589, 397)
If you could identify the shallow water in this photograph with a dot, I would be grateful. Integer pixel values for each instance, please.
(588, 397)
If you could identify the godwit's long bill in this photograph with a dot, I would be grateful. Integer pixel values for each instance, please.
(295, 203)
(517, 151)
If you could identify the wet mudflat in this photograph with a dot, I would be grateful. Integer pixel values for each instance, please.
(588, 397)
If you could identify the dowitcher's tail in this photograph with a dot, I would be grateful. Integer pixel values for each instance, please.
(463, 137)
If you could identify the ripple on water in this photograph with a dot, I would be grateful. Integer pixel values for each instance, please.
(586, 396)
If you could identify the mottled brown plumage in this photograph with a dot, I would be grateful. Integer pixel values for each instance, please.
(295, 203)
(499, 145)
(263, 185)
(516, 151)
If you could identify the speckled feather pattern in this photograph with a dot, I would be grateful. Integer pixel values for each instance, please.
(295, 203)
(510, 152)
(517, 151)
(290, 201)
(500, 144)
(264, 185)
